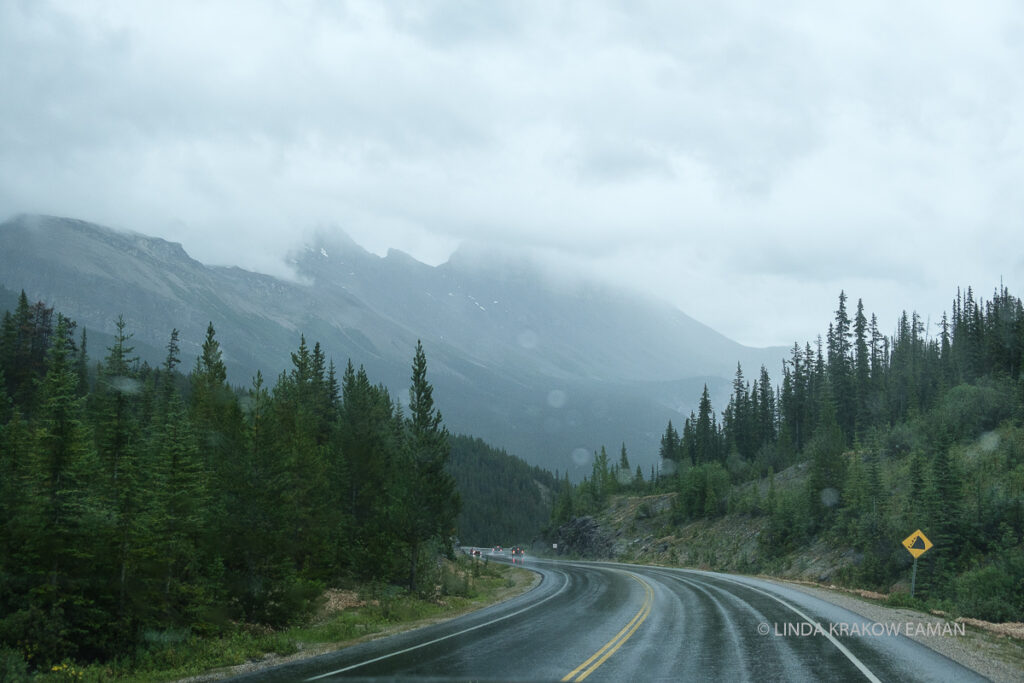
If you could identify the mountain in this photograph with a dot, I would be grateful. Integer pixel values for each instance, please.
(545, 367)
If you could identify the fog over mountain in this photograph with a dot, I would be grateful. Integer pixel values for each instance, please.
(548, 367)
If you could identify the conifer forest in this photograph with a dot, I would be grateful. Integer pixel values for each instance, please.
(893, 433)
(140, 501)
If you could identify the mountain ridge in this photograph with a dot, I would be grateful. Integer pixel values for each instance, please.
(540, 371)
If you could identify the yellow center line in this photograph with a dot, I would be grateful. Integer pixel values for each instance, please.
(611, 647)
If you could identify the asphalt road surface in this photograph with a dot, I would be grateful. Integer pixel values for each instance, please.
(616, 622)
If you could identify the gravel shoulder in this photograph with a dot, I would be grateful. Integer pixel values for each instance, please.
(997, 656)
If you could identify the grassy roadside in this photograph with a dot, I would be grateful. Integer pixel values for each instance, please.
(346, 617)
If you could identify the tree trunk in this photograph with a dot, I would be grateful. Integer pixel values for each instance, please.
(414, 554)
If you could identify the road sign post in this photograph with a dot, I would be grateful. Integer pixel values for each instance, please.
(917, 544)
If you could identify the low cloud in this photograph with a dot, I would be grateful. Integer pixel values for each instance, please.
(744, 163)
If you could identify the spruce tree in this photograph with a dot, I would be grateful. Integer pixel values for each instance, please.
(370, 444)
(705, 432)
(430, 503)
(670, 449)
(118, 437)
(63, 520)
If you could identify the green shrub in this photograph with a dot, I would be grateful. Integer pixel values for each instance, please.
(904, 600)
(13, 667)
(989, 593)
(968, 410)
(703, 491)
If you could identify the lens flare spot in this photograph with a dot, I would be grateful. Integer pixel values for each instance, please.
(988, 442)
(125, 385)
(581, 456)
(829, 497)
(527, 339)
(556, 398)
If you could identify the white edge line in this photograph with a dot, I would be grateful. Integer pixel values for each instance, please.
(818, 628)
(438, 640)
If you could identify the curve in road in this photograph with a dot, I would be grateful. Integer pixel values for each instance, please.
(615, 622)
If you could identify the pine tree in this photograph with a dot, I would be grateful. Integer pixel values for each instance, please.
(705, 431)
(118, 435)
(177, 483)
(840, 371)
(737, 421)
(670, 449)
(302, 428)
(26, 338)
(253, 529)
(601, 478)
(62, 540)
(370, 444)
(688, 442)
(429, 503)
(765, 415)
(862, 370)
(625, 471)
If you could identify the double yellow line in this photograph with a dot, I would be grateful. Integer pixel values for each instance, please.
(611, 647)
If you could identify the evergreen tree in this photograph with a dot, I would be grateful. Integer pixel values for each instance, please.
(601, 478)
(177, 482)
(370, 445)
(256, 553)
(840, 371)
(302, 420)
(26, 338)
(625, 472)
(765, 414)
(117, 439)
(738, 420)
(671, 448)
(705, 431)
(61, 521)
(862, 369)
(429, 502)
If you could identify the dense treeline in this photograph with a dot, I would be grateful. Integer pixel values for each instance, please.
(139, 505)
(896, 433)
(504, 500)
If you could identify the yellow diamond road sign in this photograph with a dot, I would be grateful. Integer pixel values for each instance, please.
(917, 544)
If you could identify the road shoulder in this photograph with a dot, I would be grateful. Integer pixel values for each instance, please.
(993, 655)
(522, 580)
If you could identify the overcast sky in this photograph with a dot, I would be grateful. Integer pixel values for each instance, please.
(743, 160)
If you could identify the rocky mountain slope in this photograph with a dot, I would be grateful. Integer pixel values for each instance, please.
(546, 368)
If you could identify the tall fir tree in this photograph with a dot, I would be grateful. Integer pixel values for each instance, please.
(430, 502)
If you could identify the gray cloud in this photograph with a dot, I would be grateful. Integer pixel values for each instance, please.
(745, 162)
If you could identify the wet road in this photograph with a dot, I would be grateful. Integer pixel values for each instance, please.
(616, 622)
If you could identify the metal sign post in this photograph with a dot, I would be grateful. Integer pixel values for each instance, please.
(917, 544)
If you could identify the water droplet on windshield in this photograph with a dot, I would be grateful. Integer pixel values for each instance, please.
(527, 339)
(556, 398)
(581, 456)
(989, 442)
(829, 497)
(125, 385)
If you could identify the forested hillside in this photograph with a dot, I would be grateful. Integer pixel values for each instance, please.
(901, 432)
(504, 500)
(139, 505)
